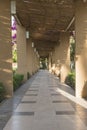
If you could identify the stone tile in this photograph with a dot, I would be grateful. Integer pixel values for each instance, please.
(57, 101)
(29, 98)
(34, 87)
(58, 98)
(34, 90)
(23, 113)
(53, 89)
(19, 123)
(65, 113)
(70, 122)
(31, 94)
(45, 124)
(42, 108)
(55, 94)
(26, 107)
(52, 86)
(63, 107)
(28, 102)
(84, 120)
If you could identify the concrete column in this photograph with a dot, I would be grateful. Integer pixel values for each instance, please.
(29, 66)
(36, 63)
(50, 64)
(30, 59)
(62, 56)
(21, 51)
(34, 60)
(37, 60)
(53, 57)
(6, 75)
(81, 48)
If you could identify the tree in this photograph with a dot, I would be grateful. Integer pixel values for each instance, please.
(72, 52)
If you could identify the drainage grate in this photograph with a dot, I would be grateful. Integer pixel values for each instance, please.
(28, 102)
(24, 113)
(65, 112)
(31, 95)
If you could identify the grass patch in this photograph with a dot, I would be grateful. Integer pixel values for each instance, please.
(70, 80)
(17, 80)
(2, 92)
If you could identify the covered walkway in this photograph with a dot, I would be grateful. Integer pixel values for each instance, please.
(43, 29)
(48, 105)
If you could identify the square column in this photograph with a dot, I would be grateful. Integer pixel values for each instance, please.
(62, 56)
(50, 62)
(30, 59)
(21, 51)
(36, 62)
(81, 48)
(6, 74)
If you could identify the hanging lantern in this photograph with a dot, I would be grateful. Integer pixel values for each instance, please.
(32, 44)
(13, 7)
(27, 34)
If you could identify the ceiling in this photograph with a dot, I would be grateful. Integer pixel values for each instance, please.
(45, 19)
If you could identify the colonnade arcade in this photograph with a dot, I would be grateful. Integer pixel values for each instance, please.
(49, 30)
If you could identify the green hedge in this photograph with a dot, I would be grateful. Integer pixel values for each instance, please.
(17, 80)
(70, 80)
(2, 91)
(28, 75)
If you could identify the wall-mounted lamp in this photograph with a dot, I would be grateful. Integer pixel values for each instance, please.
(84, 1)
(38, 56)
(13, 7)
(37, 53)
(51, 53)
(27, 34)
(32, 44)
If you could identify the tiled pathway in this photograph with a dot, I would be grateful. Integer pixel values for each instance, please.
(44, 106)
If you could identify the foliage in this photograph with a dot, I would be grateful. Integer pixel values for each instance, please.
(17, 80)
(70, 80)
(72, 52)
(2, 91)
(14, 30)
(43, 63)
(14, 53)
(28, 75)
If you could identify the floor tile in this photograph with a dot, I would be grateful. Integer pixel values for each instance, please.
(19, 123)
(70, 122)
(65, 113)
(23, 113)
(26, 107)
(44, 108)
(63, 107)
(29, 98)
(26, 102)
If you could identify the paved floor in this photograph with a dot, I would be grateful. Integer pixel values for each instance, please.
(47, 105)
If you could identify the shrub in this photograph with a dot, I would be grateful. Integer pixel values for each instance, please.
(28, 75)
(17, 80)
(2, 91)
(70, 80)
(14, 53)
